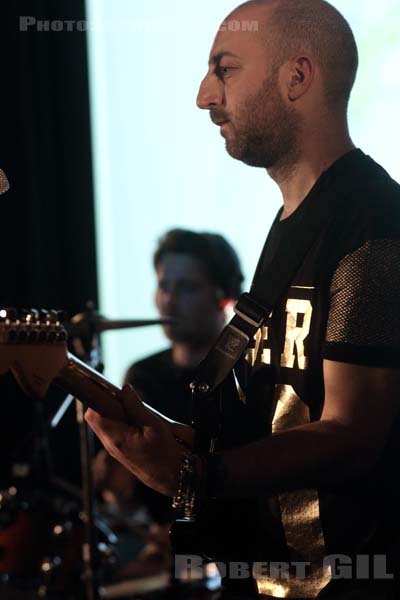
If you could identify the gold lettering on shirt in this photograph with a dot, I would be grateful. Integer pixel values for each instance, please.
(296, 332)
(259, 354)
(300, 517)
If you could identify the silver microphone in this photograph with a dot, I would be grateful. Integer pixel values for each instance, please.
(4, 184)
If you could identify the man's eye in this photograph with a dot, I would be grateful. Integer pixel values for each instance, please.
(188, 288)
(224, 71)
(180, 288)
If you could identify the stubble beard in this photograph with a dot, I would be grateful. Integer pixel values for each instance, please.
(266, 133)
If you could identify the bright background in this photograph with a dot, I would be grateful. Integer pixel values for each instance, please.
(160, 163)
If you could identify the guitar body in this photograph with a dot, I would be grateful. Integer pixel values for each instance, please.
(223, 531)
(226, 530)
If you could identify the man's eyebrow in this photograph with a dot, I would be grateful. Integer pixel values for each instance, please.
(216, 58)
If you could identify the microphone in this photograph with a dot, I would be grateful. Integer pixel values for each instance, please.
(4, 184)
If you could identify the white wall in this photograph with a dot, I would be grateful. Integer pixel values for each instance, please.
(159, 162)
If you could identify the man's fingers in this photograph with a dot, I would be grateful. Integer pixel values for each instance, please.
(96, 422)
(136, 413)
(119, 438)
(110, 432)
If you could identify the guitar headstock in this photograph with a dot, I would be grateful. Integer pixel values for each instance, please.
(32, 346)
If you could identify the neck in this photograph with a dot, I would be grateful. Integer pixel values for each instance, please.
(321, 147)
(189, 355)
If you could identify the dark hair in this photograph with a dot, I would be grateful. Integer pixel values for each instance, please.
(218, 258)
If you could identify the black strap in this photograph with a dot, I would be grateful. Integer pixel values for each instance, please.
(254, 308)
(230, 346)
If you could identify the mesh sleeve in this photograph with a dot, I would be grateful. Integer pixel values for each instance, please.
(364, 314)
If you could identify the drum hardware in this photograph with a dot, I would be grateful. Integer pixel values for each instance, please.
(84, 324)
(84, 329)
(40, 544)
(8, 506)
(50, 568)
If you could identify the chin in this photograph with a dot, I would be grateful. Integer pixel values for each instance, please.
(233, 152)
(169, 331)
(174, 334)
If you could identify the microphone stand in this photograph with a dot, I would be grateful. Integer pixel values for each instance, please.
(92, 349)
(84, 331)
(89, 546)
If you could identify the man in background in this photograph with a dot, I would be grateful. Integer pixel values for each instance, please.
(198, 277)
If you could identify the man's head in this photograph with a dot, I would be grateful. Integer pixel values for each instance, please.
(285, 67)
(197, 273)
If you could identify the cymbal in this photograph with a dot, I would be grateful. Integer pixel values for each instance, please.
(83, 323)
(108, 324)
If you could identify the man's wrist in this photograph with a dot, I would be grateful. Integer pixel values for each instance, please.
(200, 477)
(191, 485)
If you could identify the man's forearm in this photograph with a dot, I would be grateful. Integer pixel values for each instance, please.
(319, 453)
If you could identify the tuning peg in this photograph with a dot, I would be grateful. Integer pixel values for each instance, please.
(52, 316)
(10, 314)
(35, 315)
(61, 316)
(25, 315)
(43, 315)
(48, 316)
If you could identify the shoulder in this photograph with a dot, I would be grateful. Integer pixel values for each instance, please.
(370, 191)
(369, 212)
(377, 206)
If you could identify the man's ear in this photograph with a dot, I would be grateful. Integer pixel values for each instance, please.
(299, 76)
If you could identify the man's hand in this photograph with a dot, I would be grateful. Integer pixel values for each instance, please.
(145, 445)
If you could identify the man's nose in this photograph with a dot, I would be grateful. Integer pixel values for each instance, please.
(210, 93)
(168, 299)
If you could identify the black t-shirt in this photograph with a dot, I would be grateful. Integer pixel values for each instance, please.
(343, 305)
(163, 385)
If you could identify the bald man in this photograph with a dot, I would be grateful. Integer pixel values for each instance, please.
(325, 482)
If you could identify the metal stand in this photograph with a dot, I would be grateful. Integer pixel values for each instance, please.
(90, 345)
(84, 333)
(87, 346)
(89, 546)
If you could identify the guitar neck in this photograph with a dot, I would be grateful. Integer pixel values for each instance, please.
(96, 392)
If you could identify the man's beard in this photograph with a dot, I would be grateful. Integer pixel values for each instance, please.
(266, 132)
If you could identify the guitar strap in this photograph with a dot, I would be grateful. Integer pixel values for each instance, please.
(270, 281)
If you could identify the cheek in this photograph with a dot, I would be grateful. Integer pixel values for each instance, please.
(204, 308)
(158, 299)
